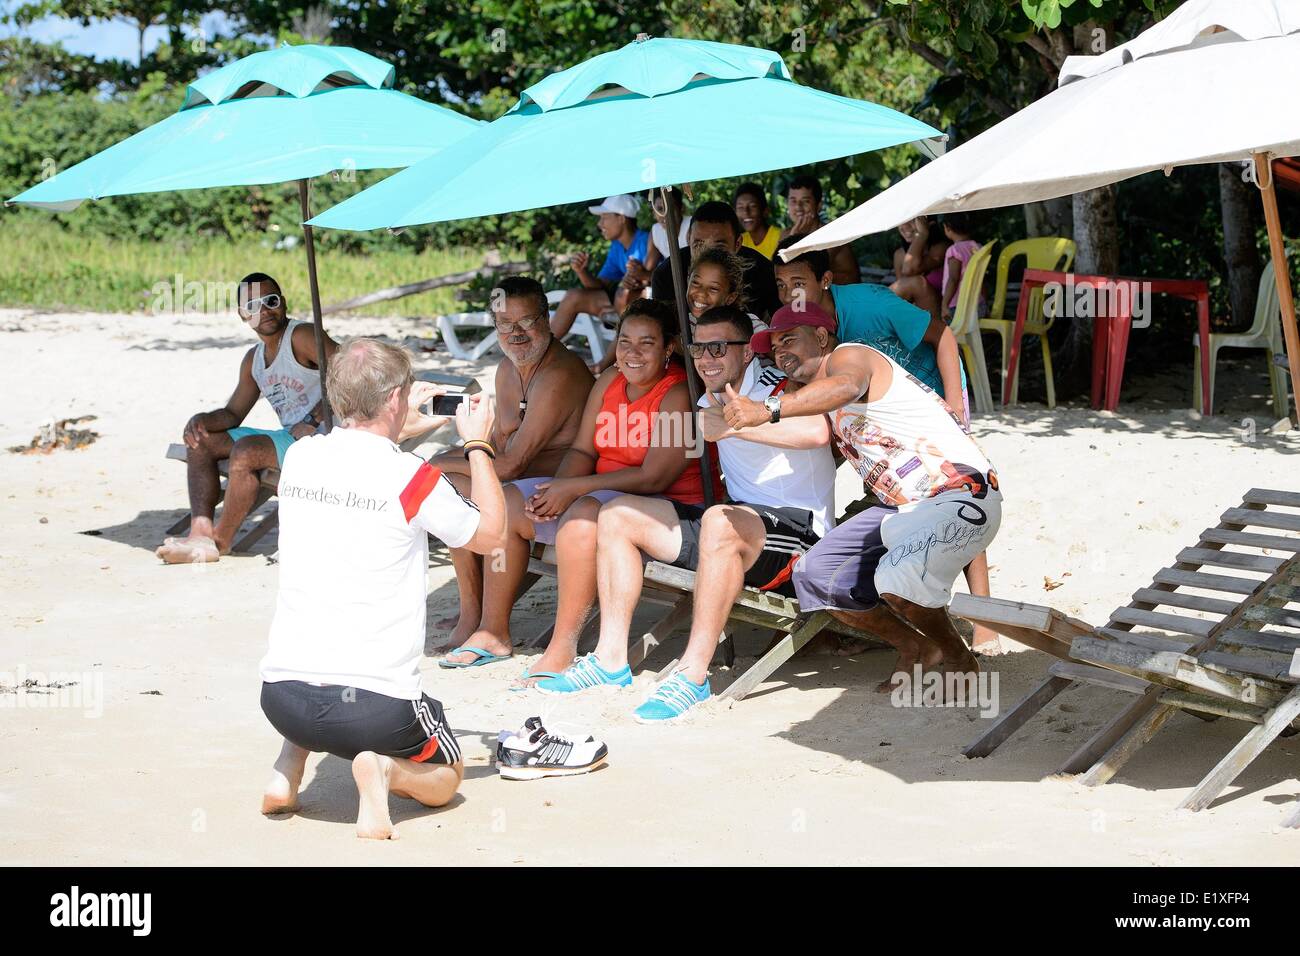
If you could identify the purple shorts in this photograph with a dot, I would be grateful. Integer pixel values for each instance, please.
(914, 551)
(544, 531)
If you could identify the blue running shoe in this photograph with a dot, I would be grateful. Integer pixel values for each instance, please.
(672, 699)
(584, 674)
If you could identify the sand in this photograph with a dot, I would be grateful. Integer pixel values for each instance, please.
(163, 763)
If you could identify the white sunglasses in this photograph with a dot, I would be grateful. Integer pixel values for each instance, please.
(271, 300)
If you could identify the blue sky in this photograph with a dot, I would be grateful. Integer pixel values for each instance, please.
(108, 39)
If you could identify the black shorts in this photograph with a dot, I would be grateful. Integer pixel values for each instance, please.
(345, 721)
(789, 535)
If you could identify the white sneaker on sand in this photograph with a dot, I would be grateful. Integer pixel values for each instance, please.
(534, 752)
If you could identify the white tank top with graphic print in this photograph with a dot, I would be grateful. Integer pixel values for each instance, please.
(908, 445)
(292, 389)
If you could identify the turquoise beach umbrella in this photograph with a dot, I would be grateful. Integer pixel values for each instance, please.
(291, 113)
(653, 114)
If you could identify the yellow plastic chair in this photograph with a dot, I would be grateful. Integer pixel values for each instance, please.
(1265, 333)
(966, 328)
(1048, 252)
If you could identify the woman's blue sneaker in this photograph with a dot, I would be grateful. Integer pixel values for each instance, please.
(584, 674)
(672, 699)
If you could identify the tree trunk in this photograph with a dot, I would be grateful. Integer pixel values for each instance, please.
(1051, 217)
(1096, 235)
(1239, 206)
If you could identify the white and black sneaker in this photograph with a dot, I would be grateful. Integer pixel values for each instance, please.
(533, 752)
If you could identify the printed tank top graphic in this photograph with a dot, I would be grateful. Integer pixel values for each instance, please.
(908, 445)
(292, 389)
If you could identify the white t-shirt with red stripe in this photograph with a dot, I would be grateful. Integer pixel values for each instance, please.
(355, 515)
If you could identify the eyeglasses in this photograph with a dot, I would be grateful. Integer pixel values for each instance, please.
(509, 328)
(715, 349)
(269, 301)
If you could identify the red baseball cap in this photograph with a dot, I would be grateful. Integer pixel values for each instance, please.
(791, 317)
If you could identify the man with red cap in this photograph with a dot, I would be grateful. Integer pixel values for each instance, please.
(889, 569)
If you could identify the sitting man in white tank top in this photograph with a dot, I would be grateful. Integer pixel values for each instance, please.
(284, 369)
(889, 569)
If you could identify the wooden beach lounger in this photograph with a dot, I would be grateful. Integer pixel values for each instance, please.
(1213, 635)
(269, 478)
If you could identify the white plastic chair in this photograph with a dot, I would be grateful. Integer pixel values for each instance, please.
(589, 327)
(1265, 333)
(448, 324)
(966, 328)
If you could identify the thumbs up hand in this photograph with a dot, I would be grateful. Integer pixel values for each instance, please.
(742, 412)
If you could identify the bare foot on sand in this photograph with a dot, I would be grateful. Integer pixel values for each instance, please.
(281, 794)
(966, 663)
(196, 549)
(484, 640)
(929, 657)
(986, 642)
(371, 773)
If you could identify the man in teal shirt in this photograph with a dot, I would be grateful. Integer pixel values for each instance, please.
(871, 314)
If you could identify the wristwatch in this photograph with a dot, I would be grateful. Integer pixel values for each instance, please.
(773, 405)
(310, 419)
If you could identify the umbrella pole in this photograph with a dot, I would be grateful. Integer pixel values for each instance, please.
(327, 417)
(1281, 273)
(673, 224)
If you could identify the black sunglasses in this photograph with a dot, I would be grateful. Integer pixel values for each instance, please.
(715, 349)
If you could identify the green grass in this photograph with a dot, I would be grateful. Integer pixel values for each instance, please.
(47, 267)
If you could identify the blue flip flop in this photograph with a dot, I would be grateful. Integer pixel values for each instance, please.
(551, 675)
(481, 657)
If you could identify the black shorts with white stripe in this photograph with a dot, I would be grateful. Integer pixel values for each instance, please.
(789, 535)
(346, 721)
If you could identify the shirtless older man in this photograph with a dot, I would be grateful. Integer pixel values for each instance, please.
(541, 390)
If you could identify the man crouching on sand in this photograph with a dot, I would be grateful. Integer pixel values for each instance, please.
(342, 674)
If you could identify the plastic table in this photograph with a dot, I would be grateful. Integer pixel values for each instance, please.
(1110, 332)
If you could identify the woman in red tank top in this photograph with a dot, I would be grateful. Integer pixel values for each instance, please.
(632, 440)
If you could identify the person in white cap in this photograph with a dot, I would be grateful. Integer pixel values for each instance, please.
(606, 290)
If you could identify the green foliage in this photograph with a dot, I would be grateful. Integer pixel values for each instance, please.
(44, 265)
(960, 65)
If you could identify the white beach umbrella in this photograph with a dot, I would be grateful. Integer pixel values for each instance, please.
(1192, 89)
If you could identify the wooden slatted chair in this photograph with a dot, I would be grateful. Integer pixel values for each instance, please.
(1233, 654)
